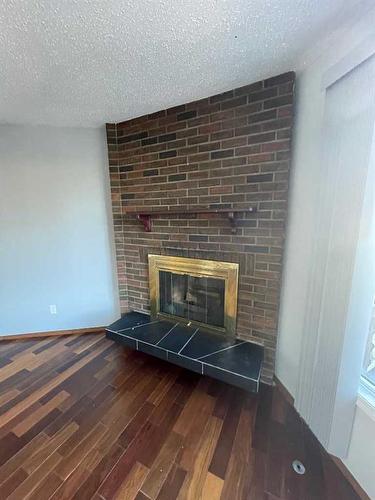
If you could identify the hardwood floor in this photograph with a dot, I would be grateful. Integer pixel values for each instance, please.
(82, 417)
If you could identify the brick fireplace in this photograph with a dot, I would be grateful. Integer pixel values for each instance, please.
(228, 151)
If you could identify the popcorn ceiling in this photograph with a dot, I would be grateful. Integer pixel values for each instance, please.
(86, 62)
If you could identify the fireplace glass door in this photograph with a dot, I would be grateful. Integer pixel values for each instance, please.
(199, 291)
(195, 298)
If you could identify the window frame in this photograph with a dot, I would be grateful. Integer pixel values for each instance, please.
(366, 397)
(367, 385)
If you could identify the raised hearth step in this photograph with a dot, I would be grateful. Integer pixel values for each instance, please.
(234, 361)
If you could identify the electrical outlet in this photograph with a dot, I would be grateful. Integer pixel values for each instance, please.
(53, 309)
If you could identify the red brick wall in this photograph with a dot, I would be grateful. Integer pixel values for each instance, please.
(231, 150)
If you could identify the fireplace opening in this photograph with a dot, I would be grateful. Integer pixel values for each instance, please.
(196, 298)
(194, 291)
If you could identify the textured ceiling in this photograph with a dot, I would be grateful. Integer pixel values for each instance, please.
(86, 62)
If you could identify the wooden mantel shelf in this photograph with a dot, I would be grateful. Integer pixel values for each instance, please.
(145, 216)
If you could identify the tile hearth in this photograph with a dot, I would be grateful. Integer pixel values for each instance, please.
(231, 360)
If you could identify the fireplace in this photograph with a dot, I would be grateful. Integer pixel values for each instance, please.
(226, 152)
(193, 321)
(194, 291)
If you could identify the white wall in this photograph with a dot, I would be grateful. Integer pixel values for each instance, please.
(55, 230)
(306, 177)
(361, 457)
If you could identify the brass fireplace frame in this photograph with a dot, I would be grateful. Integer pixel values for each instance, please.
(227, 271)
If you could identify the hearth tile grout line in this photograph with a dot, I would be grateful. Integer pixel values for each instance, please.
(187, 357)
(173, 327)
(183, 356)
(145, 495)
(221, 350)
(229, 371)
(183, 347)
(137, 326)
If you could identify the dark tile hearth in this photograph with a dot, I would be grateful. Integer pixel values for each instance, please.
(234, 361)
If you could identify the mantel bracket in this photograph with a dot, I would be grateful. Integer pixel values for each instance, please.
(146, 221)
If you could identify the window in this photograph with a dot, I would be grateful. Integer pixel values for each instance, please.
(368, 373)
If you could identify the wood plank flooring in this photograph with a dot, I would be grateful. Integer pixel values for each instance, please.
(82, 417)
